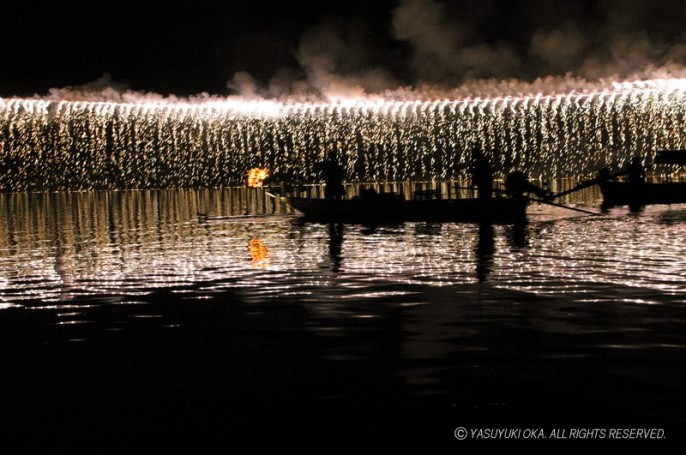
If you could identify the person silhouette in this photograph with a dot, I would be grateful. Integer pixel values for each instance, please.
(636, 173)
(333, 174)
(482, 174)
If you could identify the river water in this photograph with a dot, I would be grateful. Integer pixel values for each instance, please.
(218, 317)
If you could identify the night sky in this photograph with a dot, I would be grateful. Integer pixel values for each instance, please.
(185, 48)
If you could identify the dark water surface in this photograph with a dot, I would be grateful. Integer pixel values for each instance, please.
(158, 318)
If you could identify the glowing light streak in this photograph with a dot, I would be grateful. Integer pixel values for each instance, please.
(52, 145)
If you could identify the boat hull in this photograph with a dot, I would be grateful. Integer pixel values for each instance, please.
(385, 210)
(636, 195)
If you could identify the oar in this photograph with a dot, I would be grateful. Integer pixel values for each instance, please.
(594, 181)
(580, 186)
(542, 201)
(565, 206)
(494, 190)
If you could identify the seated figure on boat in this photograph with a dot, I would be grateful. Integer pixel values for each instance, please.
(603, 175)
(636, 173)
(333, 177)
(517, 183)
(636, 192)
(482, 174)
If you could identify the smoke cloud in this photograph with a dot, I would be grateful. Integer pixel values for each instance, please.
(434, 41)
(102, 89)
(336, 59)
(611, 38)
(560, 49)
(435, 48)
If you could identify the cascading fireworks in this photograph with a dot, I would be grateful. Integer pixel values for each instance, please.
(49, 145)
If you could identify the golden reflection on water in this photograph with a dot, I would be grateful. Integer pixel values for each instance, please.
(259, 253)
(56, 246)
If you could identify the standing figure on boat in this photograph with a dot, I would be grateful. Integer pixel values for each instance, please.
(636, 173)
(482, 174)
(333, 174)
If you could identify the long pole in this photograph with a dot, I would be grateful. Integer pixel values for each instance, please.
(565, 207)
(542, 201)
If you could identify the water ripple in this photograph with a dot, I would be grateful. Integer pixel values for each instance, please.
(126, 250)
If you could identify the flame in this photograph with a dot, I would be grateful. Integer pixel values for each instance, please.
(256, 176)
(259, 252)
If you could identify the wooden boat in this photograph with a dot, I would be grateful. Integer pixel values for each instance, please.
(677, 157)
(383, 208)
(637, 194)
(640, 194)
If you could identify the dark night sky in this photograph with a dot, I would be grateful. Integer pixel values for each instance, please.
(169, 47)
(189, 47)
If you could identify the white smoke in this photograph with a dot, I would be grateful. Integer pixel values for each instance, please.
(246, 85)
(628, 38)
(560, 48)
(101, 89)
(337, 61)
(435, 42)
(458, 49)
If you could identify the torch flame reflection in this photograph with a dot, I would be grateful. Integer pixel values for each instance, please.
(259, 252)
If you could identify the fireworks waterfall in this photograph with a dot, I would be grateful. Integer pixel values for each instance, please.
(52, 144)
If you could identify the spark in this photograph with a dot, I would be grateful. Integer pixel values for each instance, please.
(57, 145)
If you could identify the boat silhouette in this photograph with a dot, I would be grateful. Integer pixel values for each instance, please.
(638, 192)
(391, 207)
